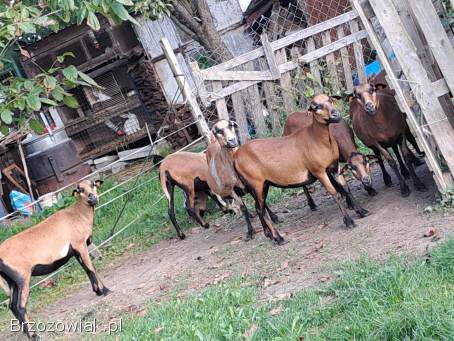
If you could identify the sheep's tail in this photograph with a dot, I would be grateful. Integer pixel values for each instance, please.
(163, 180)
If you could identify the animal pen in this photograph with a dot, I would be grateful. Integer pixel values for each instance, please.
(312, 47)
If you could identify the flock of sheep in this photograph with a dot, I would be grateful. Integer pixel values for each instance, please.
(310, 149)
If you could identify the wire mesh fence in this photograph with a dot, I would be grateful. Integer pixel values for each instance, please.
(331, 55)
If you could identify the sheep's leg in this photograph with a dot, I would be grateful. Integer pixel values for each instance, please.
(403, 170)
(191, 209)
(171, 209)
(83, 258)
(410, 138)
(274, 218)
(404, 189)
(341, 185)
(408, 159)
(386, 177)
(310, 201)
(219, 202)
(244, 210)
(268, 227)
(24, 292)
(201, 203)
(324, 179)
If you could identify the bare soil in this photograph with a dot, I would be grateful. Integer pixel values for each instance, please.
(316, 241)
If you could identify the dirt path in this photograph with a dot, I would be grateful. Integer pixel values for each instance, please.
(316, 241)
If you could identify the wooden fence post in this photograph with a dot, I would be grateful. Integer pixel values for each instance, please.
(197, 113)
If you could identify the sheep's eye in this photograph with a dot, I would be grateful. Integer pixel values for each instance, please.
(218, 131)
(371, 90)
(81, 190)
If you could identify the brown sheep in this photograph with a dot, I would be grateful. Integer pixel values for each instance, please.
(188, 171)
(292, 161)
(45, 247)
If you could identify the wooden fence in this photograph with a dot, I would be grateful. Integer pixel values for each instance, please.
(422, 74)
(252, 77)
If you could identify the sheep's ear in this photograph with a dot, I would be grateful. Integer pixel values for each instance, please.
(380, 86)
(76, 192)
(348, 96)
(98, 183)
(336, 97)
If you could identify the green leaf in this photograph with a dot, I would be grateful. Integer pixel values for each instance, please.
(20, 104)
(33, 102)
(4, 130)
(7, 116)
(27, 27)
(28, 85)
(71, 102)
(126, 2)
(61, 58)
(48, 101)
(93, 21)
(36, 126)
(57, 93)
(70, 72)
(81, 14)
(24, 13)
(50, 82)
(88, 79)
(122, 13)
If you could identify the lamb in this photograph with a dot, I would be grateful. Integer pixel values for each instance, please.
(45, 247)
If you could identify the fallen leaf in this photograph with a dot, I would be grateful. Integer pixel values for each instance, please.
(248, 333)
(285, 210)
(157, 330)
(220, 278)
(430, 233)
(324, 278)
(269, 282)
(276, 311)
(48, 284)
(141, 313)
(130, 245)
(283, 266)
(195, 230)
(217, 225)
(235, 241)
(435, 238)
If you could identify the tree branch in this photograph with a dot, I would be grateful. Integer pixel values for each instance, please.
(182, 15)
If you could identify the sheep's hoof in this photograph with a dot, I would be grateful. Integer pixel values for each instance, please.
(106, 291)
(275, 219)
(362, 212)
(405, 191)
(349, 222)
(388, 181)
(207, 226)
(279, 240)
(34, 337)
(313, 207)
(420, 187)
(249, 237)
(182, 236)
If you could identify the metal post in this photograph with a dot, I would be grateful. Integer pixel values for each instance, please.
(202, 125)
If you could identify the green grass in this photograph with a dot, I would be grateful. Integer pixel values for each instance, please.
(401, 299)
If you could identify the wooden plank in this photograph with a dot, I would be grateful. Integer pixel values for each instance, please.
(436, 37)
(314, 66)
(285, 82)
(240, 116)
(331, 61)
(238, 76)
(221, 106)
(345, 61)
(419, 81)
(309, 57)
(197, 113)
(254, 106)
(442, 183)
(358, 51)
(269, 55)
(199, 83)
(271, 102)
(440, 87)
(283, 42)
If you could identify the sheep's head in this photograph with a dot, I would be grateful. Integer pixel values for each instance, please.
(359, 165)
(87, 192)
(323, 110)
(366, 95)
(225, 134)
